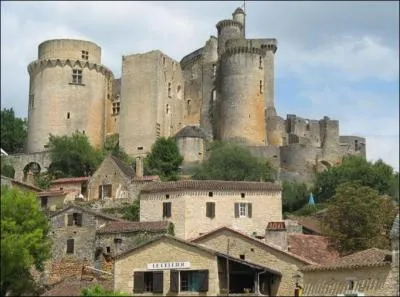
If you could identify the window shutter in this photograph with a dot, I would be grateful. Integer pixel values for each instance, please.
(213, 210)
(70, 246)
(164, 210)
(203, 278)
(236, 210)
(169, 209)
(79, 219)
(208, 209)
(158, 281)
(249, 210)
(138, 281)
(70, 220)
(174, 282)
(100, 192)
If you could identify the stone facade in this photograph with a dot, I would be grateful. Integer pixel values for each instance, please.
(159, 267)
(225, 88)
(111, 180)
(243, 247)
(190, 204)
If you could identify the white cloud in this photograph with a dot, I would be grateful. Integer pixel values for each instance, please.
(385, 148)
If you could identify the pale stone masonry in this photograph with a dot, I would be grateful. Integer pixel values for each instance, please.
(197, 207)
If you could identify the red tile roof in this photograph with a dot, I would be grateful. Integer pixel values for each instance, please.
(147, 178)
(91, 211)
(255, 240)
(312, 247)
(366, 258)
(122, 227)
(14, 181)
(276, 226)
(208, 185)
(70, 180)
(54, 193)
(309, 223)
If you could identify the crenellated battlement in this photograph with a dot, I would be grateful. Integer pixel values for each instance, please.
(38, 65)
(242, 50)
(228, 23)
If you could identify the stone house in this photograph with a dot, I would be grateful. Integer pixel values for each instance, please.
(111, 180)
(13, 183)
(119, 236)
(365, 273)
(52, 200)
(244, 247)
(199, 206)
(76, 187)
(169, 265)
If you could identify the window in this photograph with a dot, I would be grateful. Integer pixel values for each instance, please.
(214, 69)
(140, 148)
(163, 60)
(70, 246)
(43, 202)
(261, 62)
(85, 55)
(148, 281)
(188, 106)
(105, 191)
(210, 194)
(166, 209)
(118, 242)
(169, 90)
(210, 209)
(115, 108)
(261, 87)
(167, 196)
(31, 101)
(77, 76)
(242, 257)
(356, 147)
(108, 249)
(242, 195)
(213, 95)
(191, 281)
(75, 219)
(243, 210)
(68, 115)
(167, 109)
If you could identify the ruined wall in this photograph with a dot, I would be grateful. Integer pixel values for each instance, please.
(59, 106)
(151, 100)
(242, 104)
(192, 149)
(276, 131)
(353, 145)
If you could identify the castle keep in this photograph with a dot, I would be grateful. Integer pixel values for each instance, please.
(222, 91)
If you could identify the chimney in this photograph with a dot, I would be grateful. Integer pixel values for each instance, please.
(276, 234)
(139, 167)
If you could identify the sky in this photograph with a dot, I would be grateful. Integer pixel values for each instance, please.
(335, 59)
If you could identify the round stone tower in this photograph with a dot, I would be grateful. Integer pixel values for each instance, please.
(68, 90)
(242, 104)
(228, 29)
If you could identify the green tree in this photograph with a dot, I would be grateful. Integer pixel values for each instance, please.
(230, 162)
(13, 132)
(111, 145)
(43, 180)
(294, 196)
(73, 156)
(164, 159)
(358, 218)
(97, 290)
(6, 169)
(24, 241)
(378, 176)
(132, 212)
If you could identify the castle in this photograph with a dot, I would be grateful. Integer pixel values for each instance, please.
(222, 91)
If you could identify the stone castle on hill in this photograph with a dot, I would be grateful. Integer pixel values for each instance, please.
(222, 91)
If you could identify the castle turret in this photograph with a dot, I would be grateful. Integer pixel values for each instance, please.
(68, 90)
(228, 29)
(241, 104)
(240, 16)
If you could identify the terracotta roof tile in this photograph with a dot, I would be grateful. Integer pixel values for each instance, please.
(263, 243)
(95, 213)
(71, 180)
(52, 193)
(207, 185)
(122, 227)
(366, 258)
(14, 181)
(312, 247)
(310, 223)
